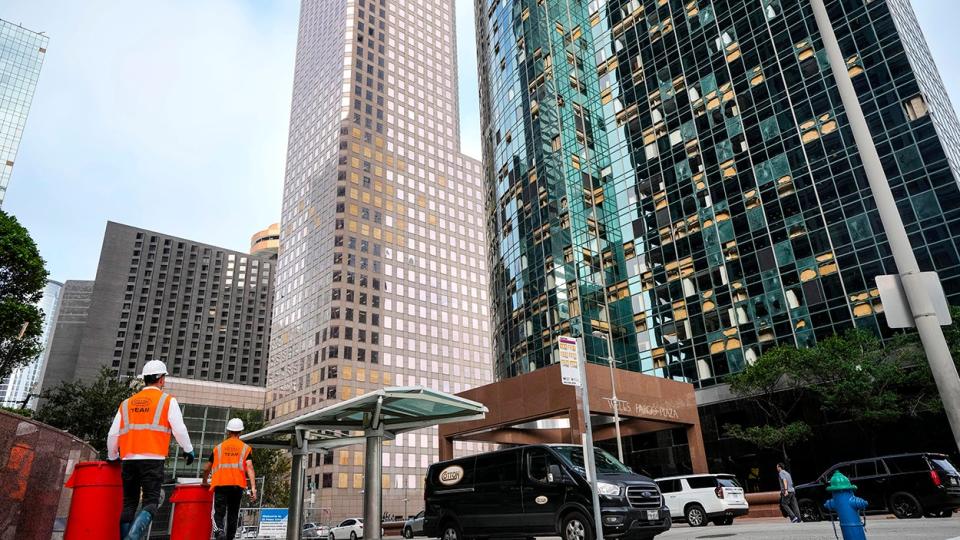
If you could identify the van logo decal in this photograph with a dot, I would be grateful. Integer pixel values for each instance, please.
(541, 500)
(451, 475)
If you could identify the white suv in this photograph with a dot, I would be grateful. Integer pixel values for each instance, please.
(348, 529)
(699, 498)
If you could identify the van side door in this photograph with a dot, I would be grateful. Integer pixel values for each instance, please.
(497, 508)
(542, 495)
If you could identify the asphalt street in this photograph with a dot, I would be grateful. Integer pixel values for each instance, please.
(879, 528)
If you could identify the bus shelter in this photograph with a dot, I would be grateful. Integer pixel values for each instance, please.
(366, 419)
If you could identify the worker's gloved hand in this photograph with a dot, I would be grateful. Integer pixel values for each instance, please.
(190, 457)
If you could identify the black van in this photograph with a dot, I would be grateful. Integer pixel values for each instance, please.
(539, 490)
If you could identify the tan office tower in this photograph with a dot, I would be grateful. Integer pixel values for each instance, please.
(382, 275)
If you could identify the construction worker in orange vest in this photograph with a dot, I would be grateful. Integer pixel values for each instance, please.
(228, 462)
(140, 436)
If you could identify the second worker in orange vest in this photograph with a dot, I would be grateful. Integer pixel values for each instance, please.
(231, 464)
(140, 436)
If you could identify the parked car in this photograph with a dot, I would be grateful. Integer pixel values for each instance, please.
(413, 526)
(908, 485)
(351, 528)
(699, 498)
(315, 530)
(539, 490)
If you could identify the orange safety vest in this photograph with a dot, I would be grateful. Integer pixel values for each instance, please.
(144, 427)
(229, 458)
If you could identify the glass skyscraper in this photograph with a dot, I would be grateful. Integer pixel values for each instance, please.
(680, 174)
(17, 389)
(382, 268)
(21, 55)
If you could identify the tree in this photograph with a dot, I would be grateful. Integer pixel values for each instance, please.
(22, 278)
(769, 385)
(272, 465)
(84, 410)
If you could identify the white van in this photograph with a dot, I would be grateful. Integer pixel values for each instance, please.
(699, 498)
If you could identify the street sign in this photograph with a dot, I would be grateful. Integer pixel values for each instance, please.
(273, 523)
(896, 309)
(569, 361)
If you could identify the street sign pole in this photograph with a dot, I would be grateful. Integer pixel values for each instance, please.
(580, 380)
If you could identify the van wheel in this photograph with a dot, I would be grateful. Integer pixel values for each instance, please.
(576, 527)
(407, 532)
(450, 531)
(905, 506)
(695, 515)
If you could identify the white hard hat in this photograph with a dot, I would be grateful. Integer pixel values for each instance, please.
(235, 424)
(154, 367)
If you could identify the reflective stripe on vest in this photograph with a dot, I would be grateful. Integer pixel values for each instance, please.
(156, 425)
(144, 425)
(229, 473)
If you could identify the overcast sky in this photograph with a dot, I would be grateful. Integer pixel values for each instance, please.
(172, 116)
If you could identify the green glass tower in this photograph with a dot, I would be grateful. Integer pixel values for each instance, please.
(677, 177)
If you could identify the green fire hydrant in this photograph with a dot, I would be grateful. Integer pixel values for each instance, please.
(847, 506)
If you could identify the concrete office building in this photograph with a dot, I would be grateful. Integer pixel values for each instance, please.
(66, 333)
(202, 309)
(21, 387)
(21, 56)
(381, 276)
(680, 175)
(266, 243)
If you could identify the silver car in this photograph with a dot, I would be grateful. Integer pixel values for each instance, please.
(413, 526)
(314, 530)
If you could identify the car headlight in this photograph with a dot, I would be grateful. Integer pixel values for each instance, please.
(608, 489)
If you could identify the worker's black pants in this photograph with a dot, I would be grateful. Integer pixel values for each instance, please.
(138, 475)
(226, 504)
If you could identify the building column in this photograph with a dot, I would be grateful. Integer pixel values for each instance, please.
(698, 453)
(446, 448)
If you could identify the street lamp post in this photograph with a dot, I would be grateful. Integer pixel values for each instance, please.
(614, 402)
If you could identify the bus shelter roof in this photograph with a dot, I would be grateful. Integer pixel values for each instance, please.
(392, 410)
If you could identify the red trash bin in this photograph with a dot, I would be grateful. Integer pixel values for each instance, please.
(96, 503)
(192, 512)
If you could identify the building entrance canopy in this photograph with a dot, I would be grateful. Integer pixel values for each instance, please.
(537, 407)
(364, 419)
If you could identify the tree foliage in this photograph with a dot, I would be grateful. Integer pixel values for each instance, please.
(22, 278)
(272, 465)
(769, 385)
(86, 410)
(854, 377)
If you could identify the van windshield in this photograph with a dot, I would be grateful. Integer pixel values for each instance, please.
(606, 463)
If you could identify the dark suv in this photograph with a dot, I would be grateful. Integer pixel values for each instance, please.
(908, 485)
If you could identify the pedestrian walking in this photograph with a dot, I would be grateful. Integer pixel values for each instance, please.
(227, 464)
(140, 438)
(788, 494)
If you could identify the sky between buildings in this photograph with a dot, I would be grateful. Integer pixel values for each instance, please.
(173, 115)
